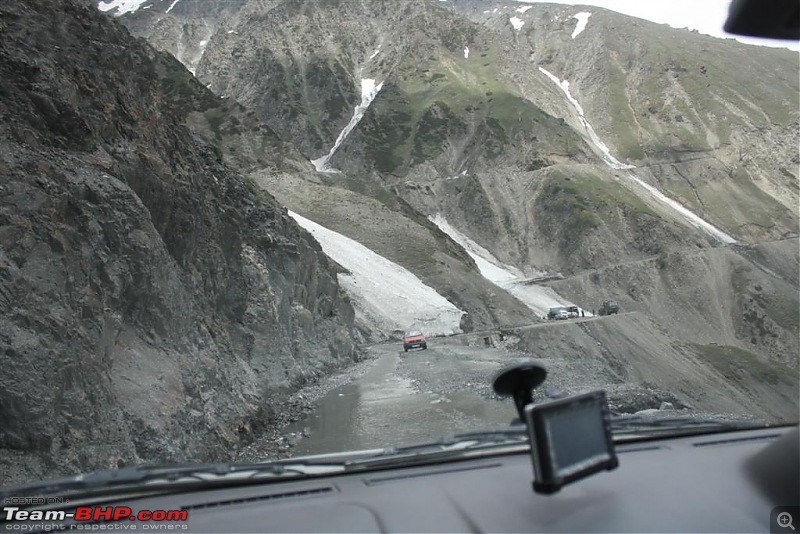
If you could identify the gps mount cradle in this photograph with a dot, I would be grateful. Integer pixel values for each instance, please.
(570, 437)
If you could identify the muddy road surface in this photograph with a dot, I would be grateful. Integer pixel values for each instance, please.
(408, 397)
(395, 398)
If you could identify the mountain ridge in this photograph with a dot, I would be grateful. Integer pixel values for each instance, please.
(467, 125)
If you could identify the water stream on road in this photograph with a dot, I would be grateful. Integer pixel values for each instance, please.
(385, 408)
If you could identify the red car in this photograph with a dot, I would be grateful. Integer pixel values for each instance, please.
(414, 339)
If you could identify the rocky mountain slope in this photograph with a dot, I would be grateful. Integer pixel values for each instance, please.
(712, 122)
(463, 90)
(562, 139)
(155, 304)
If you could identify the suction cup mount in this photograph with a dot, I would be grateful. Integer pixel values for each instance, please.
(518, 380)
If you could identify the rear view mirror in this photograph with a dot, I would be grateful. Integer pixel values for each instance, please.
(778, 19)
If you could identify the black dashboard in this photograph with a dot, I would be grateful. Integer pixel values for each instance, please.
(724, 482)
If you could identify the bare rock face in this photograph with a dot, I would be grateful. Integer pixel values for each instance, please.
(154, 306)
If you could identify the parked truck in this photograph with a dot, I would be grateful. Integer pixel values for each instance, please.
(609, 307)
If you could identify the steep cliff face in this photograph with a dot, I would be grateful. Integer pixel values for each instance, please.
(297, 64)
(154, 304)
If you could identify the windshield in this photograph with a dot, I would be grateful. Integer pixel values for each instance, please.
(222, 221)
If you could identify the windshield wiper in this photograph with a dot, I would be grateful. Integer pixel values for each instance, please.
(159, 477)
(465, 444)
(628, 425)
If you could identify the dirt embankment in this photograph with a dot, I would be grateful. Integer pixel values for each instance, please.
(745, 297)
(633, 352)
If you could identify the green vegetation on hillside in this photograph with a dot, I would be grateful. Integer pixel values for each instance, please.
(663, 102)
(623, 123)
(755, 205)
(729, 199)
(569, 206)
(572, 203)
(596, 192)
(426, 104)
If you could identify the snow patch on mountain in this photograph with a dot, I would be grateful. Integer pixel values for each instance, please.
(122, 6)
(614, 163)
(172, 5)
(466, 52)
(190, 56)
(690, 217)
(604, 151)
(387, 298)
(490, 267)
(538, 298)
(523, 9)
(583, 19)
(517, 23)
(369, 90)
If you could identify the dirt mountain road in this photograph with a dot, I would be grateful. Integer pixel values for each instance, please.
(424, 395)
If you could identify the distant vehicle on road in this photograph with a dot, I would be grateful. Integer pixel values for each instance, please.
(558, 313)
(414, 339)
(609, 307)
(573, 312)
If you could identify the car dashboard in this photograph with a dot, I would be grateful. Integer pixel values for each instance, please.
(722, 482)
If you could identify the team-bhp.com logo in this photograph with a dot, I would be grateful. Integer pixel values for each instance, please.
(93, 518)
